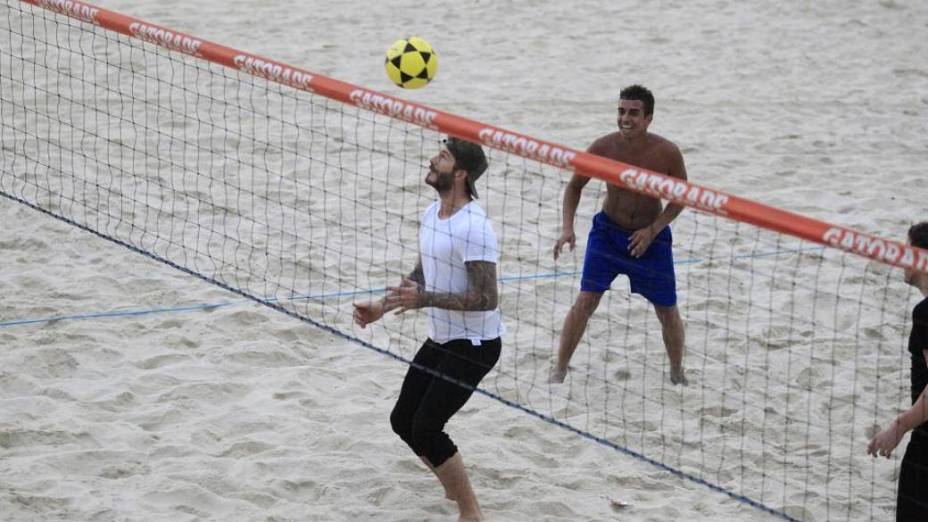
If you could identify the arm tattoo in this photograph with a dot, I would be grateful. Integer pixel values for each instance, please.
(482, 293)
(417, 275)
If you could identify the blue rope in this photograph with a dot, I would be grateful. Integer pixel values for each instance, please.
(322, 297)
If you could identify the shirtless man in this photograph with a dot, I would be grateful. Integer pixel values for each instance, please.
(630, 236)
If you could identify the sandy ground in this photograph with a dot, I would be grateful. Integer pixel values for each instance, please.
(156, 396)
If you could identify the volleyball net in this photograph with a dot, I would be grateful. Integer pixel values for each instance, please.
(304, 193)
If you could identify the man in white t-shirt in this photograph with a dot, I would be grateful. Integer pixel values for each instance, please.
(455, 279)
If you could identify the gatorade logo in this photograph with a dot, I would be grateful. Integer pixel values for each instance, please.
(273, 71)
(82, 12)
(876, 248)
(527, 147)
(165, 38)
(674, 189)
(393, 108)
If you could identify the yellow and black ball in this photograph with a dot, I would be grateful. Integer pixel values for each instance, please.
(411, 63)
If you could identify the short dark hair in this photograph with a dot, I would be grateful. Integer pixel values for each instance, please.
(918, 234)
(639, 93)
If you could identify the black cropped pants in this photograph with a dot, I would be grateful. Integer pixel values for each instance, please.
(427, 401)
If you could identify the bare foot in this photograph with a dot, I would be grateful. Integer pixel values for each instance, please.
(557, 375)
(678, 377)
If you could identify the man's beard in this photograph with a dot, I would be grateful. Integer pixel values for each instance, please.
(440, 181)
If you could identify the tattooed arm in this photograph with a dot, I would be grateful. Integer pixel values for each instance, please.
(417, 275)
(482, 293)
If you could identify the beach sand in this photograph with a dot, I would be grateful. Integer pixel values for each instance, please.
(183, 401)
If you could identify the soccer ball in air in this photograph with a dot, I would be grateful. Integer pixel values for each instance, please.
(411, 63)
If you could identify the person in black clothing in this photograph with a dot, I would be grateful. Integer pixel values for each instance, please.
(912, 499)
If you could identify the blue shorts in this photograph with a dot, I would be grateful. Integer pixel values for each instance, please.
(607, 256)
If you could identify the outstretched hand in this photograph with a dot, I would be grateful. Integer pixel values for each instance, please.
(567, 238)
(367, 313)
(407, 296)
(640, 240)
(884, 442)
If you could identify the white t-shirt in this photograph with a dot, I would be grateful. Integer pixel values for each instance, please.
(444, 246)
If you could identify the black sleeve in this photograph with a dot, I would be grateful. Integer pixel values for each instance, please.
(920, 327)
